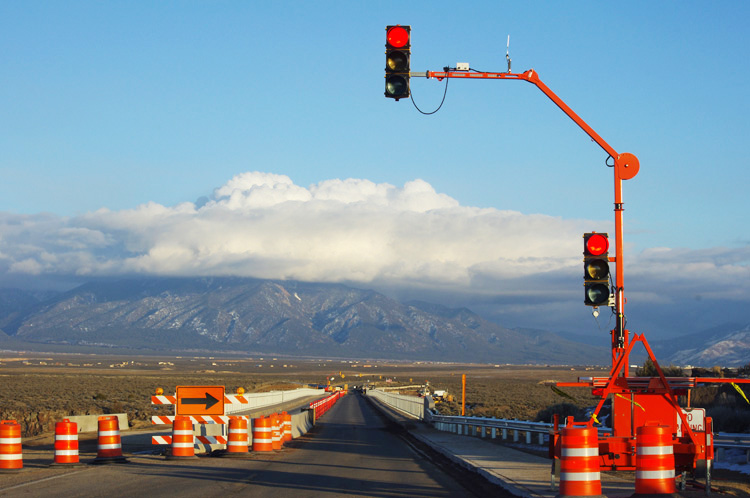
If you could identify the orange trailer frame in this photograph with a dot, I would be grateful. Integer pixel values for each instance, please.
(660, 394)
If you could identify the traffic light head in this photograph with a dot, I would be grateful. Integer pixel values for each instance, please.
(397, 64)
(398, 36)
(596, 269)
(596, 244)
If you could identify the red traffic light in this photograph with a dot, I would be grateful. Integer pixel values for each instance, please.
(397, 37)
(597, 244)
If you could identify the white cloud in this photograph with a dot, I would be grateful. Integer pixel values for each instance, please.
(717, 273)
(356, 231)
(263, 225)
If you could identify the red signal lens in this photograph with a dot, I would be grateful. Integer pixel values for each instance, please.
(597, 244)
(397, 37)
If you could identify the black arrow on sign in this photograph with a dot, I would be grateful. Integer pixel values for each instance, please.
(208, 400)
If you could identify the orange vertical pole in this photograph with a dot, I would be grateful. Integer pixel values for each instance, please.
(463, 395)
(626, 166)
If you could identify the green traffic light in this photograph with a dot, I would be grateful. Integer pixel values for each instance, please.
(596, 294)
(396, 86)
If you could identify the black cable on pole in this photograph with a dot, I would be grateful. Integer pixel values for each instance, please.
(441, 102)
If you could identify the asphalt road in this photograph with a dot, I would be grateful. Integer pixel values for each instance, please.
(352, 451)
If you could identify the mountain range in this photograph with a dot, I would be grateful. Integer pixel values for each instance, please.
(297, 318)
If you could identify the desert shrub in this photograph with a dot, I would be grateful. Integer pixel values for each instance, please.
(702, 395)
(729, 418)
(727, 407)
(563, 410)
(648, 369)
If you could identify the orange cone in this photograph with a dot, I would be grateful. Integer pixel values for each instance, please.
(262, 439)
(109, 448)
(11, 457)
(237, 442)
(183, 441)
(66, 443)
(654, 461)
(579, 462)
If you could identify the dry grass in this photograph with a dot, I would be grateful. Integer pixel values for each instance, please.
(40, 389)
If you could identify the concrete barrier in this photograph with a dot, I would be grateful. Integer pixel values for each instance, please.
(90, 423)
(301, 423)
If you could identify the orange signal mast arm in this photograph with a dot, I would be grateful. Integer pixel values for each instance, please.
(532, 77)
(626, 166)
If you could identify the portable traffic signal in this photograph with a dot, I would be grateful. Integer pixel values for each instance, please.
(397, 53)
(596, 269)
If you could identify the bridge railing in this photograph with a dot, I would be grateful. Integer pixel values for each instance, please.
(259, 400)
(410, 405)
(480, 426)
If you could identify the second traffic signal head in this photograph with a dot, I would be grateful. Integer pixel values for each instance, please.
(397, 64)
(596, 269)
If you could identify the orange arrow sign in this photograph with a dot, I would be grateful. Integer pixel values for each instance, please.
(200, 400)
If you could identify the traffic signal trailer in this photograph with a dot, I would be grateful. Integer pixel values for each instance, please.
(636, 401)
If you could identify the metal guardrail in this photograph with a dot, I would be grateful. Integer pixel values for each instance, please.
(725, 440)
(459, 425)
(729, 440)
(500, 423)
(463, 425)
(479, 425)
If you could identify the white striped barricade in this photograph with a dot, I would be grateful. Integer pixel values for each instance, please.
(235, 402)
(197, 439)
(239, 401)
(195, 419)
(286, 433)
(276, 427)
(163, 399)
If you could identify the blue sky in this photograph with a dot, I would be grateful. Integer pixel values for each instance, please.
(114, 110)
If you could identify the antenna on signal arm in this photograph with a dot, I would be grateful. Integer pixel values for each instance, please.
(507, 53)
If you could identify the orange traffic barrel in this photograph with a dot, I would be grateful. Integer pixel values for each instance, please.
(262, 438)
(11, 457)
(183, 442)
(237, 442)
(66, 443)
(579, 462)
(654, 461)
(276, 431)
(109, 447)
(286, 434)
